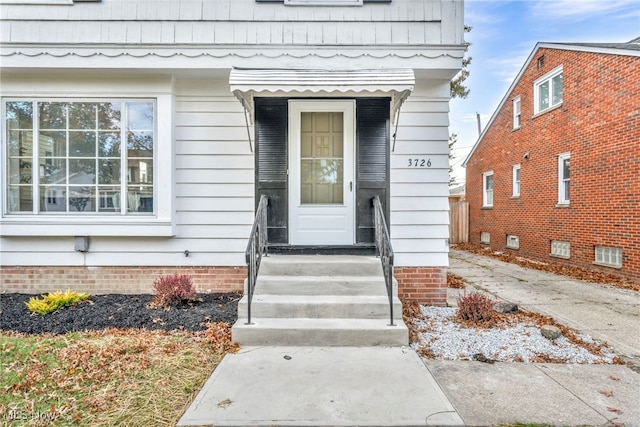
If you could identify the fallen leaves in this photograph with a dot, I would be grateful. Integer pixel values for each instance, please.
(561, 269)
(454, 281)
(224, 403)
(110, 377)
(607, 393)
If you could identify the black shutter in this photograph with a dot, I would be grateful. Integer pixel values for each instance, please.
(372, 162)
(271, 124)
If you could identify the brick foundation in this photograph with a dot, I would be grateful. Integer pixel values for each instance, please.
(425, 285)
(120, 280)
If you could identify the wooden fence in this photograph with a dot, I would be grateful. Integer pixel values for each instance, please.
(458, 222)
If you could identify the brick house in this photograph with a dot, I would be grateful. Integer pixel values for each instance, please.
(555, 175)
(210, 98)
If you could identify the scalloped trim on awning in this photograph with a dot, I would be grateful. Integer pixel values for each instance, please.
(247, 83)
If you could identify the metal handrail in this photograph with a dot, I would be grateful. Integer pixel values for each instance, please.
(256, 248)
(384, 250)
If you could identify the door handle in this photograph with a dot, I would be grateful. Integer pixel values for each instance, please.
(351, 186)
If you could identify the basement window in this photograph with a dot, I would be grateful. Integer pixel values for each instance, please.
(608, 257)
(513, 242)
(560, 249)
(485, 237)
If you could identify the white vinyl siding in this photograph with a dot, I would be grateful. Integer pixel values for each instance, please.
(323, 2)
(235, 22)
(564, 178)
(487, 189)
(419, 195)
(159, 222)
(608, 257)
(213, 195)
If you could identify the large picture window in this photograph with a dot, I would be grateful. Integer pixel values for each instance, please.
(80, 157)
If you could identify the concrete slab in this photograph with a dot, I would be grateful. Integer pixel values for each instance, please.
(510, 393)
(611, 390)
(321, 386)
(606, 313)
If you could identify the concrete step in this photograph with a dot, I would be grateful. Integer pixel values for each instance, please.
(320, 332)
(320, 265)
(316, 285)
(321, 306)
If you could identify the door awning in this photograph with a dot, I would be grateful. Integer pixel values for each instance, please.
(247, 83)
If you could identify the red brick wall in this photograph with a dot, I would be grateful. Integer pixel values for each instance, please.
(124, 280)
(425, 285)
(598, 122)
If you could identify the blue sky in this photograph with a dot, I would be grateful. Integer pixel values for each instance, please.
(504, 34)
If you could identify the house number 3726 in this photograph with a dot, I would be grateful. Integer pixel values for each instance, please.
(419, 163)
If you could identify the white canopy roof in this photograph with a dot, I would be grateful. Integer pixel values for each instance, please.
(247, 83)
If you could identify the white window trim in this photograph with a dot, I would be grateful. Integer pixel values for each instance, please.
(517, 113)
(561, 200)
(485, 204)
(560, 249)
(599, 254)
(161, 223)
(516, 188)
(513, 241)
(547, 77)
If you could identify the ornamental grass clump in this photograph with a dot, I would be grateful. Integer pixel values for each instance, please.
(54, 301)
(173, 290)
(475, 308)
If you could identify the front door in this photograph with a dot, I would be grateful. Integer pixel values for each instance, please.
(321, 172)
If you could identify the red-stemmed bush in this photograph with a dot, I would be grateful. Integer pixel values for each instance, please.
(475, 307)
(172, 290)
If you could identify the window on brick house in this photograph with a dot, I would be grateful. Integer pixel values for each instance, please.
(560, 249)
(564, 178)
(487, 189)
(547, 90)
(516, 181)
(609, 257)
(517, 119)
(80, 157)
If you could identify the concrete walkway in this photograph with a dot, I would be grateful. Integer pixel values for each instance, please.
(606, 313)
(551, 394)
(321, 386)
(378, 386)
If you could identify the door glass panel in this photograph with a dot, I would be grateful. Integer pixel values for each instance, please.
(321, 158)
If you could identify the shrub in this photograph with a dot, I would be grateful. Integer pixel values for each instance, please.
(172, 290)
(54, 301)
(475, 307)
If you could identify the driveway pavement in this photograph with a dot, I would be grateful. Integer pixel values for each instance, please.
(605, 312)
(542, 393)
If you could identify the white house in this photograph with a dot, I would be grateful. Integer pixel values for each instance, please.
(138, 135)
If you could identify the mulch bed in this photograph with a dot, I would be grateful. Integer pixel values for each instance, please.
(118, 311)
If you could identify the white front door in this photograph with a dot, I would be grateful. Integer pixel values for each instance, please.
(321, 172)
